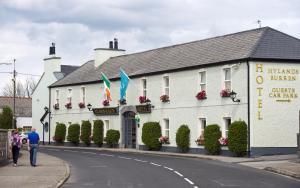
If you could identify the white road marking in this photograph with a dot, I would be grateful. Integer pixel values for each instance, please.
(155, 164)
(124, 157)
(99, 166)
(178, 173)
(89, 152)
(140, 160)
(53, 149)
(190, 182)
(195, 186)
(107, 155)
(168, 168)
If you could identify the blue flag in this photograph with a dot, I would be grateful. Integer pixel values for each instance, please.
(124, 83)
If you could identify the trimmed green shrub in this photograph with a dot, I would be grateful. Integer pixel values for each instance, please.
(19, 129)
(151, 133)
(237, 138)
(183, 138)
(60, 133)
(112, 137)
(73, 133)
(6, 118)
(98, 132)
(86, 129)
(212, 134)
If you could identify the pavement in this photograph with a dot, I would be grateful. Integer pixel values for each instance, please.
(53, 172)
(49, 172)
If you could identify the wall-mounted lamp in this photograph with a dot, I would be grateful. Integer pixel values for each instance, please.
(233, 97)
(46, 109)
(89, 106)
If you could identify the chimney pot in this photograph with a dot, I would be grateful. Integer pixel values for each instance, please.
(52, 49)
(111, 44)
(116, 44)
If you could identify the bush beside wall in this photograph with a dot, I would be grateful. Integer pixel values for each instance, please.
(98, 132)
(73, 133)
(183, 138)
(112, 137)
(237, 138)
(60, 133)
(85, 136)
(151, 132)
(212, 134)
(6, 118)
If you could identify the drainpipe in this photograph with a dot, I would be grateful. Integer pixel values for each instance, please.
(248, 96)
(49, 107)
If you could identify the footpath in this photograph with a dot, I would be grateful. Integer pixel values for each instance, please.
(49, 172)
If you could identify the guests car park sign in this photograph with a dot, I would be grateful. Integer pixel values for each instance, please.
(106, 111)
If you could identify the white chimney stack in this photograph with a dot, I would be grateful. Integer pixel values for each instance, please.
(52, 63)
(103, 54)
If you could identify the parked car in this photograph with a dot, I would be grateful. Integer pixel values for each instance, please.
(24, 137)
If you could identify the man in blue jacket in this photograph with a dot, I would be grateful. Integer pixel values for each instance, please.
(33, 144)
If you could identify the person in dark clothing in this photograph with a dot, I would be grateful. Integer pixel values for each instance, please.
(15, 146)
(33, 144)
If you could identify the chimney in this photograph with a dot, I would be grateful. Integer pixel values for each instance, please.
(103, 54)
(52, 49)
(111, 44)
(116, 43)
(52, 62)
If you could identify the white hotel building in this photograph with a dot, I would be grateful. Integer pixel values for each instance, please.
(261, 66)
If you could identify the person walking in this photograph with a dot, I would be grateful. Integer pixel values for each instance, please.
(16, 145)
(33, 144)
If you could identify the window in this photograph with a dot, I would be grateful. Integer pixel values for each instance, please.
(82, 94)
(202, 77)
(202, 125)
(57, 97)
(227, 122)
(144, 87)
(227, 79)
(166, 128)
(69, 95)
(166, 89)
(106, 127)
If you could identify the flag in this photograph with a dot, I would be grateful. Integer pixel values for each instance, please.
(124, 83)
(106, 84)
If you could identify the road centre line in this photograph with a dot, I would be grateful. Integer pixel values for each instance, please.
(190, 182)
(89, 152)
(107, 155)
(140, 160)
(168, 168)
(124, 157)
(155, 164)
(178, 173)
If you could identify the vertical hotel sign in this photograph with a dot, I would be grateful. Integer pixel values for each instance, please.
(279, 94)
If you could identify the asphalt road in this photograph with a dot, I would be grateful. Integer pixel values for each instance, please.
(121, 170)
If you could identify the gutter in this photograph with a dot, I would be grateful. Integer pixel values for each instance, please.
(49, 107)
(248, 101)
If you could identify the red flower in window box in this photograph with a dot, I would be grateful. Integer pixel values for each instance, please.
(105, 103)
(164, 98)
(68, 105)
(225, 93)
(56, 106)
(144, 99)
(81, 105)
(201, 95)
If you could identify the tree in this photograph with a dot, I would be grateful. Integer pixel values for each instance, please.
(6, 118)
(22, 89)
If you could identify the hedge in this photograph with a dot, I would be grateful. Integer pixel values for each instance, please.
(237, 138)
(151, 132)
(6, 118)
(85, 136)
(183, 138)
(98, 132)
(112, 137)
(60, 133)
(73, 133)
(212, 134)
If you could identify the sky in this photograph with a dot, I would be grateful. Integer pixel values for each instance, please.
(28, 27)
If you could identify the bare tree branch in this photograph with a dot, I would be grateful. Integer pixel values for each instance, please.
(22, 90)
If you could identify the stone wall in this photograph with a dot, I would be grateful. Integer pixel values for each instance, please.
(3, 146)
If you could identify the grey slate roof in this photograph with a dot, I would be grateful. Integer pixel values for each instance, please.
(257, 43)
(23, 105)
(67, 69)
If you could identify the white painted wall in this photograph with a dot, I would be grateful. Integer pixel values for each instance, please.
(183, 107)
(278, 122)
(24, 121)
(103, 54)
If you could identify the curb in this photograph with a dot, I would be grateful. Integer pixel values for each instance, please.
(282, 172)
(66, 176)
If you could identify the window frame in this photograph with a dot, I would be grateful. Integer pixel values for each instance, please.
(144, 89)
(164, 85)
(201, 127)
(201, 83)
(83, 94)
(227, 80)
(166, 130)
(57, 96)
(226, 125)
(69, 98)
(106, 126)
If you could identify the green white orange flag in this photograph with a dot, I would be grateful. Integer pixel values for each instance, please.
(106, 84)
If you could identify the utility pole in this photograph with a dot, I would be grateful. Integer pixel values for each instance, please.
(14, 104)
